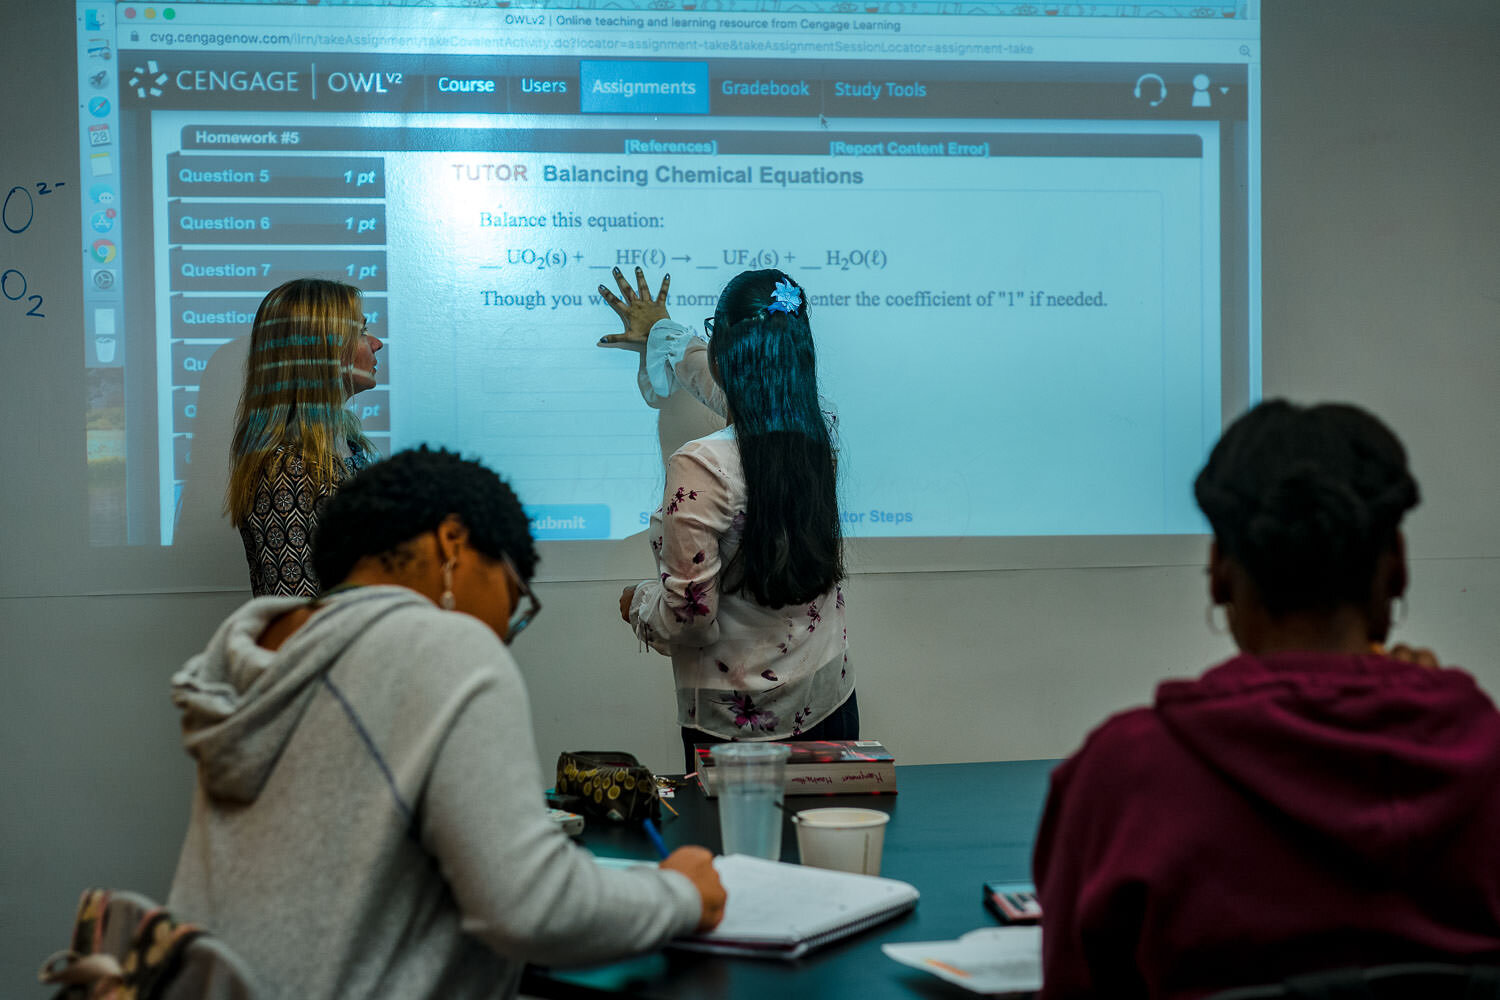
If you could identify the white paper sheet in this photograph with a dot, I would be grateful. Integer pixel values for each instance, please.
(989, 960)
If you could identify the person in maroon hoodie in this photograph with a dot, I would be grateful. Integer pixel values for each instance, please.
(1309, 804)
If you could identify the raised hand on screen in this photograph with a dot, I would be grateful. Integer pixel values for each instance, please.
(637, 308)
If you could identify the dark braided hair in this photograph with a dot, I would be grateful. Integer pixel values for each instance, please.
(790, 550)
(1307, 499)
(409, 494)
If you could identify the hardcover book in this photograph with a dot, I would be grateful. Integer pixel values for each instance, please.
(821, 767)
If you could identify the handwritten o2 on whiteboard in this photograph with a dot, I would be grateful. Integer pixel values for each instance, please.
(17, 214)
(13, 287)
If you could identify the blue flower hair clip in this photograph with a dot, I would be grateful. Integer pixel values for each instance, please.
(786, 297)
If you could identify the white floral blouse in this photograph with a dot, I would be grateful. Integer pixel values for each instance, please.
(743, 671)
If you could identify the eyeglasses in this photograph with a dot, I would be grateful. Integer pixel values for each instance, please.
(708, 327)
(526, 611)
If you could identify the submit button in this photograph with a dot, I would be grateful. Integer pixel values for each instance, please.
(568, 520)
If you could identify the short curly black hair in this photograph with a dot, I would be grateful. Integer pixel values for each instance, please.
(409, 494)
(1306, 498)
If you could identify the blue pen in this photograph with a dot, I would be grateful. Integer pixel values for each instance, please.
(655, 835)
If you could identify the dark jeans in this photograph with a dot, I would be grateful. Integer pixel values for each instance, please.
(843, 724)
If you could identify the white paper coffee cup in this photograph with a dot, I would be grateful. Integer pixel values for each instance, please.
(846, 840)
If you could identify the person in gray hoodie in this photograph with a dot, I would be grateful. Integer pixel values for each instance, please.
(369, 819)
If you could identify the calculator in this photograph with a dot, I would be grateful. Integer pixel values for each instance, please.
(1013, 902)
(571, 823)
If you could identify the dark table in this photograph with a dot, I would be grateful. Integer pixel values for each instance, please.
(953, 826)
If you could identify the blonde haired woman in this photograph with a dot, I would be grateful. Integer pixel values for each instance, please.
(295, 442)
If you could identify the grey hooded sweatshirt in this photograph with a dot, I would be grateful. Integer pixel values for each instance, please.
(369, 819)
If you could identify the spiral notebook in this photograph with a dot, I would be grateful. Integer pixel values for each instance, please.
(777, 910)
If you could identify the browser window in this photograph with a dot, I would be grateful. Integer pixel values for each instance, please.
(1029, 238)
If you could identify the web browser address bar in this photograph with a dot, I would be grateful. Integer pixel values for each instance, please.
(821, 35)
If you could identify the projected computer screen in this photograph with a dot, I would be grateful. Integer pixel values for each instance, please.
(1028, 233)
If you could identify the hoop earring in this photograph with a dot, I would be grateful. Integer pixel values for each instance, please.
(446, 601)
(1213, 624)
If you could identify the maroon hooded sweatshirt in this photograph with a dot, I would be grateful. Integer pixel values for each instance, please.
(1280, 814)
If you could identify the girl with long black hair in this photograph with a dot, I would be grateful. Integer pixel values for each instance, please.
(748, 550)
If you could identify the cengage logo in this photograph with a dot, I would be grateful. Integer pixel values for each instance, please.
(147, 79)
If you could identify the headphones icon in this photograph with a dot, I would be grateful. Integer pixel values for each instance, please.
(1161, 86)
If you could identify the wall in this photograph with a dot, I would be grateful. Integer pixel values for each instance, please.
(1381, 257)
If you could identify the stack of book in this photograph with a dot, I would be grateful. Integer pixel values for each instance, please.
(826, 767)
